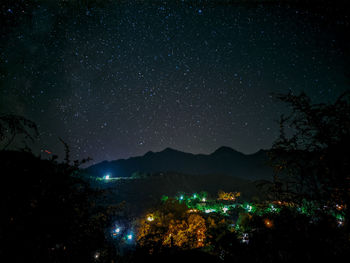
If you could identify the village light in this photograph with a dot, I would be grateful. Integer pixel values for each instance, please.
(273, 209)
(268, 223)
(245, 238)
(249, 208)
(107, 177)
(97, 255)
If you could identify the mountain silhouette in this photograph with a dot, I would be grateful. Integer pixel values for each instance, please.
(223, 161)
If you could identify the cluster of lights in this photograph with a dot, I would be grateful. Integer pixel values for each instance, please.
(117, 231)
(200, 197)
(275, 207)
(107, 177)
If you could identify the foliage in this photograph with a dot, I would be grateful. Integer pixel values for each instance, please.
(229, 196)
(12, 126)
(314, 161)
(49, 214)
(173, 226)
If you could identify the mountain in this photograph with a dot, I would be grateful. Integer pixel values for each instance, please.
(223, 161)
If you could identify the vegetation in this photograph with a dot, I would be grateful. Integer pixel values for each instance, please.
(12, 126)
(50, 214)
(313, 163)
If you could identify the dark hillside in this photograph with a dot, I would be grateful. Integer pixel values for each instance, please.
(224, 160)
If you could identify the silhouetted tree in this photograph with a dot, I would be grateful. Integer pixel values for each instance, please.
(12, 126)
(48, 213)
(313, 162)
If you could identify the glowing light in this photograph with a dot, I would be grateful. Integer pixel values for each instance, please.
(209, 211)
(150, 218)
(249, 208)
(129, 237)
(268, 223)
(107, 177)
(203, 199)
(339, 207)
(181, 197)
(245, 238)
(117, 230)
(97, 255)
(194, 196)
(225, 209)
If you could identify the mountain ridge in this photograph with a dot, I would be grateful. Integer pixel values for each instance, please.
(223, 160)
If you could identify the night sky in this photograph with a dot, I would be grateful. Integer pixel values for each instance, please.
(116, 79)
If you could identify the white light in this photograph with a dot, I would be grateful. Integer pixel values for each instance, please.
(203, 199)
(245, 238)
(225, 209)
(129, 237)
(117, 230)
(107, 177)
(181, 197)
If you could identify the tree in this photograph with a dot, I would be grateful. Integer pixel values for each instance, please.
(12, 126)
(228, 196)
(49, 213)
(313, 162)
(172, 225)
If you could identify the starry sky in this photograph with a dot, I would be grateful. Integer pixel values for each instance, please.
(116, 79)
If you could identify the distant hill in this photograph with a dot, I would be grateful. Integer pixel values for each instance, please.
(223, 161)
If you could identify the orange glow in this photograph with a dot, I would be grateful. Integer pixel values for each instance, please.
(339, 207)
(268, 223)
(232, 196)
